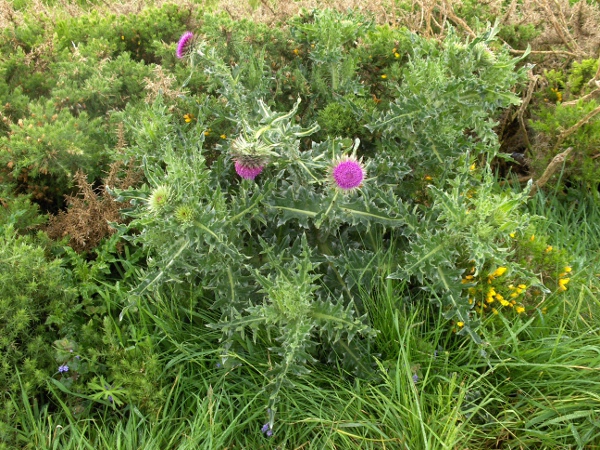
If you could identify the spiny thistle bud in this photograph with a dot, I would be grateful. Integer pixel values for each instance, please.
(159, 198)
(184, 214)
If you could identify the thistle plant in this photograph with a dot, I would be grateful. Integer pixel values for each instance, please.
(272, 228)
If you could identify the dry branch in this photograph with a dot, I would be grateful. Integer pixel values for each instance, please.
(554, 165)
(592, 94)
(534, 79)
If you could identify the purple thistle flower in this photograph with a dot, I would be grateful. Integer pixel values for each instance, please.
(183, 44)
(63, 369)
(247, 172)
(348, 173)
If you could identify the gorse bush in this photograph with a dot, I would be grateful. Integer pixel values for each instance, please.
(60, 85)
(272, 228)
(36, 302)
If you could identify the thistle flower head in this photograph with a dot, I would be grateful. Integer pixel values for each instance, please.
(250, 157)
(184, 43)
(159, 198)
(348, 173)
(246, 169)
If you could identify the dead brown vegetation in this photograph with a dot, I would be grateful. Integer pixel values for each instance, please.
(90, 214)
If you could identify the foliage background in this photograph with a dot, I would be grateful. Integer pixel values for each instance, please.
(97, 88)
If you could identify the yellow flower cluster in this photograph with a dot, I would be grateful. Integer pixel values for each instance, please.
(492, 295)
(564, 279)
(557, 93)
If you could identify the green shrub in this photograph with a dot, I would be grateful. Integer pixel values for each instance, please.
(36, 302)
(44, 150)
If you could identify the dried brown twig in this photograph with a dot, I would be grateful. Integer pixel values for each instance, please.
(520, 113)
(556, 162)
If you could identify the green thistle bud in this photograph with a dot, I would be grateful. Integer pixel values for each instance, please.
(184, 214)
(159, 198)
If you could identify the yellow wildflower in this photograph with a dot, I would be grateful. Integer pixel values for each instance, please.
(396, 55)
(548, 249)
(472, 166)
(512, 235)
(520, 309)
(504, 302)
(223, 136)
(188, 117)
(499, 272)
(568, 269)
(494, 310)
(460, 324)
(384, 76)
(427, 177)
(532, 238)
(522, 286)
(562, 283)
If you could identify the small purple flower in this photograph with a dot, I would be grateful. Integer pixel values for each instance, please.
(110, 399)
(63, 369)
(348, 173)
(247, 172)
(183, 44)
(415, 378)
(266, 429)
(78, 357)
